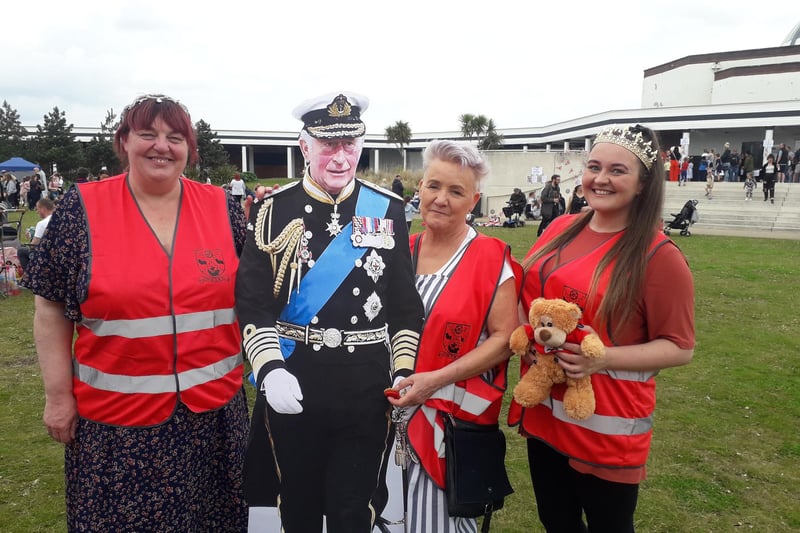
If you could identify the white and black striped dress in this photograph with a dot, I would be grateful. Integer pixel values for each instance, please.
(427, 503)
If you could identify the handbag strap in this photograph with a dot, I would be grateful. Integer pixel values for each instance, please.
(487, 518)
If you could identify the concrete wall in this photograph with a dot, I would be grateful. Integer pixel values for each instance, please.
(514, 169)
(683, 86)
(763, 88)
(694, 84)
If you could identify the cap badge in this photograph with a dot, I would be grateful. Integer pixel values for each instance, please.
(340, 107)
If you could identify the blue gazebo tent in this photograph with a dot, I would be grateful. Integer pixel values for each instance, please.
(17, 165)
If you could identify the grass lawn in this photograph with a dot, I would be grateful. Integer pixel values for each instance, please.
(726, 445)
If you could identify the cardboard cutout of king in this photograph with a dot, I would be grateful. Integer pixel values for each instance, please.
(330, 318)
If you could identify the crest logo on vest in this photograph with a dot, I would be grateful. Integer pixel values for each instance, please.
(453, 339)
(574, 296)
(211, 265)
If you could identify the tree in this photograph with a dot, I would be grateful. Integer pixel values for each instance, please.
(100, 150)
(481, 129)
(491, 139)
(399, 134)
(55, 144)
(12, 133)
(211, 154)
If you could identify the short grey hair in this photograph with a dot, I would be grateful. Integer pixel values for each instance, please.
(462, 154)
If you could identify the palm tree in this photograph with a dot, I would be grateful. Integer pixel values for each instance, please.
(467, 125)
(491, 139)
(399, 134)
(482, 129)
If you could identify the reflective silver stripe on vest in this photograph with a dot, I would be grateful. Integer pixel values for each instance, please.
(471, 403)
(606, 425)
(627, 375)
(160, 325)
(156, 384)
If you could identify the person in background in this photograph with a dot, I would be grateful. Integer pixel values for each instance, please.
(674, 163)
(725, 162)
(39, 175)
(749, 185)
(532, 209)
(397, 186)
(45, 208)
(35, 192)
(551, 206)
(736, 162)
(409, 209)
(469, 284)
(636, 292)
(55, 187)
(796, 176)
(3, 177)
(748, 167)
(25, 189)
(769, 175)
(577, 202)
(783, 164)
(330, 318)
(517, 200)
(709, 189)
(149, 400)
(82, 175)
(684, 172)
(238, 188)
(11, 190)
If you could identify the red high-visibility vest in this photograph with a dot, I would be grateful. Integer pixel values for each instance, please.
(618, 434)
(157, 328)
(452, 330)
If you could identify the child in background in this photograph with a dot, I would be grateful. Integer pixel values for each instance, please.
(749, 185)
(684, 172)
(409, 209)
(709, 183)
(690, 171)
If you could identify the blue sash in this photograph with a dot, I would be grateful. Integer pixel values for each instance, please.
(330, 270)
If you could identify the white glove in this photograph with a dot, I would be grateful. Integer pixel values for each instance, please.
(402, 414)
(283, 392)
(397, 380)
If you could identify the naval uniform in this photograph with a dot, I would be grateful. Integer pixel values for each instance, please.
(325, 288)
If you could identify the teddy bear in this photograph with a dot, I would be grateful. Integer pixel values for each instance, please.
(552, 323)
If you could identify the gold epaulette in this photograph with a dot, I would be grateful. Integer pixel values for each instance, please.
(288, 242)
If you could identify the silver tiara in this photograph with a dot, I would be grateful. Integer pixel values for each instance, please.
(631, 140)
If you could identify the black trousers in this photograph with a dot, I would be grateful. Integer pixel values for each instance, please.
(564, 495)
(545, 222)
(769, 189)
(329, 456)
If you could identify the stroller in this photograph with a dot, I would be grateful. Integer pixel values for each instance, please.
(684, 219)
(513, 212)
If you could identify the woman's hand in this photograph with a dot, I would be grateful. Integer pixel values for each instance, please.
(530, 357)
(415, 389)
(61, 418)
(576, 365)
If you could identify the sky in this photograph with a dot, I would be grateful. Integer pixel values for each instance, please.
(244, 65)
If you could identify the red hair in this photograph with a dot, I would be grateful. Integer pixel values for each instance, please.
(142, 113)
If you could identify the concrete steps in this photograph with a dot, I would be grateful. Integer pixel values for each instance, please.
(727, 210)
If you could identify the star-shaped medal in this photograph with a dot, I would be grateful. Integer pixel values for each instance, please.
(334, 228)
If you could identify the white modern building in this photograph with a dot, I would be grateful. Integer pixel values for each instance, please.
(749, 98)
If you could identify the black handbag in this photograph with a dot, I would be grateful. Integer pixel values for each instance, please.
(475, 470)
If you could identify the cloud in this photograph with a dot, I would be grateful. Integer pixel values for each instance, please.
(243, 65)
